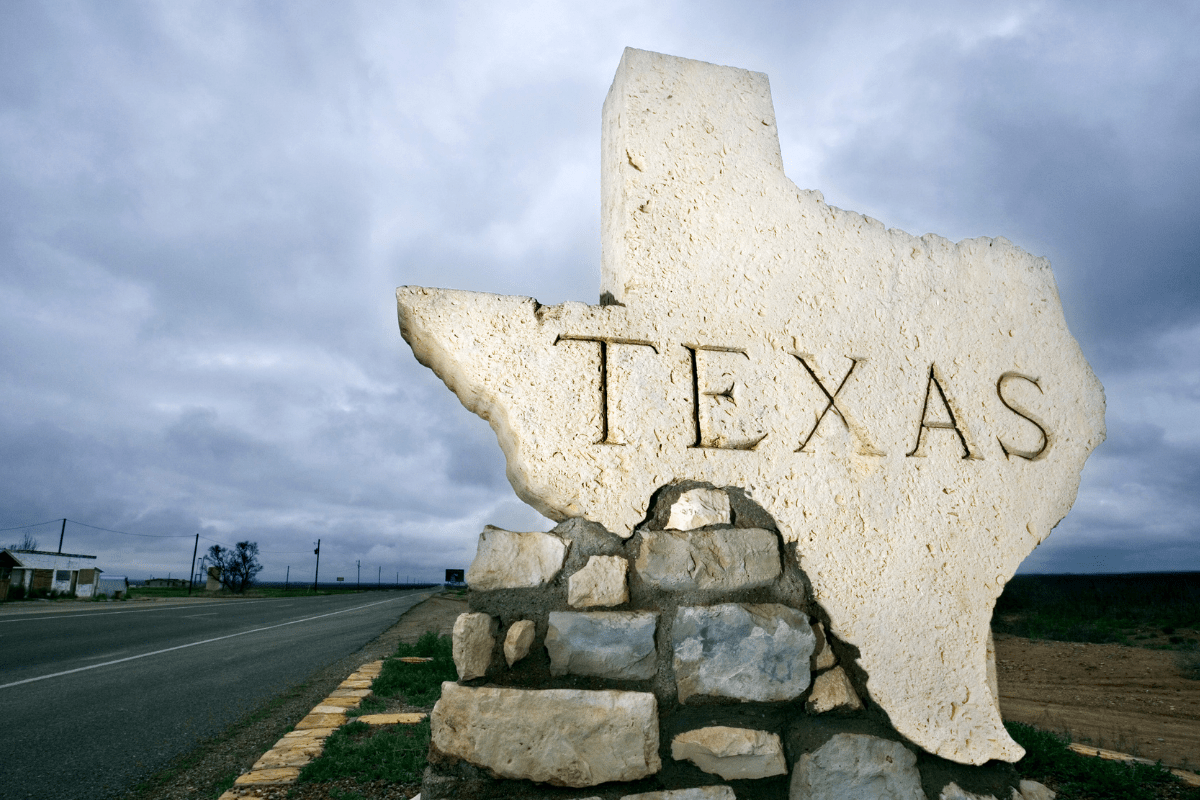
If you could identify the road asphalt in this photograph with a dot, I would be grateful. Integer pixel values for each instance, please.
(95, 697)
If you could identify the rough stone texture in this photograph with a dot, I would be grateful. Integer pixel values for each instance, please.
(851, 765)
(823, 656)
(726, 559)
(509, 560)
(566, 737)
(913, 412)
(1032, 790)
(606, 644)
(600, 583)
(732, 753)
(473, 640)
(518, 640)
(742, 651)
(1035, 791)
(698, 793)
(832, 690)
(697, 508)
(952, 791)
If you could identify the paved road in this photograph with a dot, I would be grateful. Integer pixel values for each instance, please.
(95, 697)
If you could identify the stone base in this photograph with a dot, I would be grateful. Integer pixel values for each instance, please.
(760, 697)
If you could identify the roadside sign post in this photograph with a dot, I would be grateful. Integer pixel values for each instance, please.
(317, 571)
(191, 573)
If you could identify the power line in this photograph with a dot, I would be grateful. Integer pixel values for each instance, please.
(127, 533)
(34, 525)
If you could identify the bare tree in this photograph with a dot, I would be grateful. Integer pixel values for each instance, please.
(28, 542)
(239, 565)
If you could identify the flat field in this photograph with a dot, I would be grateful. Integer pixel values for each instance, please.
(1112, 660)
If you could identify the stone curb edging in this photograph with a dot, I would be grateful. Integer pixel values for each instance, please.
(281, 764)
(1190, 778)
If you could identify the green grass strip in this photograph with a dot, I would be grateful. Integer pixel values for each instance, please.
(1047, 756)
(419, 684)
(395, 753)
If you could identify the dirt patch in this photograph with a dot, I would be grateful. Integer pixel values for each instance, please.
(1128, 699)
(435, 614)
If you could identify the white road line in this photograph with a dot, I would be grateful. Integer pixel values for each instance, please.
(184, 606)
(193, 616)
(190, 644)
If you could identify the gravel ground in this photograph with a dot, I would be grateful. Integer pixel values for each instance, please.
(210, 769)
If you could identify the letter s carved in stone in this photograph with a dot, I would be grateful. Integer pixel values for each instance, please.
(1009, 452)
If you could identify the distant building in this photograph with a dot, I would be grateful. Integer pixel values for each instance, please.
(166, 583)
(39, 571)
(114, 586)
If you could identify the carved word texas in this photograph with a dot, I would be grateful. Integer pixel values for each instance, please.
(930, 419)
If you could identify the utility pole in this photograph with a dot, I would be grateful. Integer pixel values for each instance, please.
(192, 574)
(287, 577)
(359, 578)
(62, 533)
(318, 570)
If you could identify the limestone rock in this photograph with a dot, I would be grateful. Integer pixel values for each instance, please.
(747, 651)
(600, 583)
(725, 559)
(823, 657)
(912, 412)
(1032, 790)
(832, 690)
(952, 791)
(606, 644)
(518, 640)
(697, 508)
(474, 637)
(509, 560)
(698, 793)
(857, 766)
(732, 753)
(566, 737)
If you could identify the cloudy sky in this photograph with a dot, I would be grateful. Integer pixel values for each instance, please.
(205, 208)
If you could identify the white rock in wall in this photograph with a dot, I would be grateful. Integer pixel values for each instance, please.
(518, 640)
(601, 582)
(824, 657)
(696, 508)
(726, 559)
(566, 737)
(742, 651)
(912, 412)
(732, 753)
(698, 793)
(1032, 790)
(605, 644)
(952, 791)
(472, 643)
(510, 560)
(832, 690)
(852, 765)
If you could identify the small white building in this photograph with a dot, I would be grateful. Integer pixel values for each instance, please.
(35, 571)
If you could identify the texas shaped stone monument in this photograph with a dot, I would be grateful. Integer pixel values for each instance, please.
(912, 412)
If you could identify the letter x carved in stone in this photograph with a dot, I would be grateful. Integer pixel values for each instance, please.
(865, 447)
